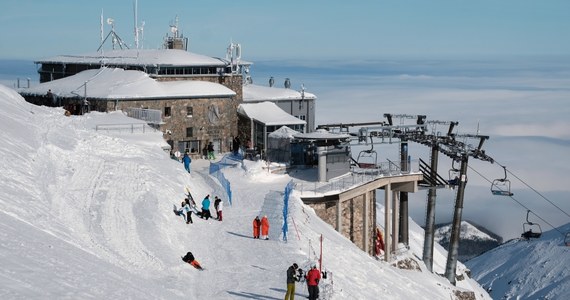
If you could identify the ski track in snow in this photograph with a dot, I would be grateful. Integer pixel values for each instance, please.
(87, 214)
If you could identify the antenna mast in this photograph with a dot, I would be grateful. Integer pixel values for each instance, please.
(101, 23)
(135, 8)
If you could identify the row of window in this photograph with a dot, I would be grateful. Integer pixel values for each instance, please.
(191, 71)
(168, 111)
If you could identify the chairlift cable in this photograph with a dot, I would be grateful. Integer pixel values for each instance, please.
(513, 198)
(541, 195)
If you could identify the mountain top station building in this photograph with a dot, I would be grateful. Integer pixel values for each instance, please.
(193, 99)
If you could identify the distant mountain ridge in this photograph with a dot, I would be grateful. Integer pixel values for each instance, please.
(474, 239)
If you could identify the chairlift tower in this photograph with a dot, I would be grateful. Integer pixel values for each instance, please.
(460, 151)
(448, 144)
(433, 142)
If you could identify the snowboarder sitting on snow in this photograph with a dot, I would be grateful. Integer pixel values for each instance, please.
(180, 212)
(189, 258)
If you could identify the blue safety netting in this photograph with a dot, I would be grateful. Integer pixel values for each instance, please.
(286, 193)
(215, 170)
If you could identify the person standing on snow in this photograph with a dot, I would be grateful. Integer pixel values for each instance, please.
(186, 160)
(313, 278)
(291, 278)
(264, 228)
(218, 206)
(206, 207)
(186, 208)
(211, 154)
(256, 225)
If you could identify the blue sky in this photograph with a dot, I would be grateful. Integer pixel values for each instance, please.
(32, 29)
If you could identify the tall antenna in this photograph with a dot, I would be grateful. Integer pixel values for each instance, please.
(101, 26)
(135, 8)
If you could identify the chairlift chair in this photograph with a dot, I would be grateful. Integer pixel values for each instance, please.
(453, 175)
(370, 156)
(501, 186)
(531, 230)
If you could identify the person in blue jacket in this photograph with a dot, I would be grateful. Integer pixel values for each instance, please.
(206, 207)
(187, 160)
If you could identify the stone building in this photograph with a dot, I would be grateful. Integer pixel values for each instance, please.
(196, 97)
(190, 113)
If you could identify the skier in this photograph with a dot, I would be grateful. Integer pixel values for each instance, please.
(264, 228)
(189, 258)
(186, 160)
(188, 210)
(313, 277)
(218, 206)
(206, 207)
(291, 278)
(256, 225)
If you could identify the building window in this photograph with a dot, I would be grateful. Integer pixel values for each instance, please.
(189, 111)
(189, 131)
(167, 111)
(301, 117)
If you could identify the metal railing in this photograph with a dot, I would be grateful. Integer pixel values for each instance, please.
(124, 128)
(151, 116)
(356, 177)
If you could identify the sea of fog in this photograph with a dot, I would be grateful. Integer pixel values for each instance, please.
(521, 103)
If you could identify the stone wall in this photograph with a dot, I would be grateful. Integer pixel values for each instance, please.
(353, 214)
(206, 124)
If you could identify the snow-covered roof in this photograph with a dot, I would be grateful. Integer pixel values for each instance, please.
(321, 134)
(268, 113)
(140, 57)
(252, 92)
(115, 83)
(283, 132)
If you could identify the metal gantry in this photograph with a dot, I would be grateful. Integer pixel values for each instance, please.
(452, 145)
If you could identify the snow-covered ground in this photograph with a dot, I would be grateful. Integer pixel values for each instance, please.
(88, 214)
(526, 269)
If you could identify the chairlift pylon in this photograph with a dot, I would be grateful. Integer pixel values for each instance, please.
(531, 230)
(501, 186)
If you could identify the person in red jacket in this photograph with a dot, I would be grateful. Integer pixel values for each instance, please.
(264, 228)
(256, 225)
(313, 277)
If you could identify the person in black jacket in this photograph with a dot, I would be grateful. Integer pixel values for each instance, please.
(189, 258)
(291, 278)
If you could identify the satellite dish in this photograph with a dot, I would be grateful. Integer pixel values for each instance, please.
(110, 21)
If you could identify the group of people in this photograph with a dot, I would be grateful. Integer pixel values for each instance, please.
(189, 205)
(294, 274)
(208, 152)
(261, 226)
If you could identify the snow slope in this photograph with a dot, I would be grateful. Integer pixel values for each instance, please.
(87, 214)
(521, 269)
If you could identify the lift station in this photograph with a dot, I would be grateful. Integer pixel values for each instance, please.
(422, 131)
